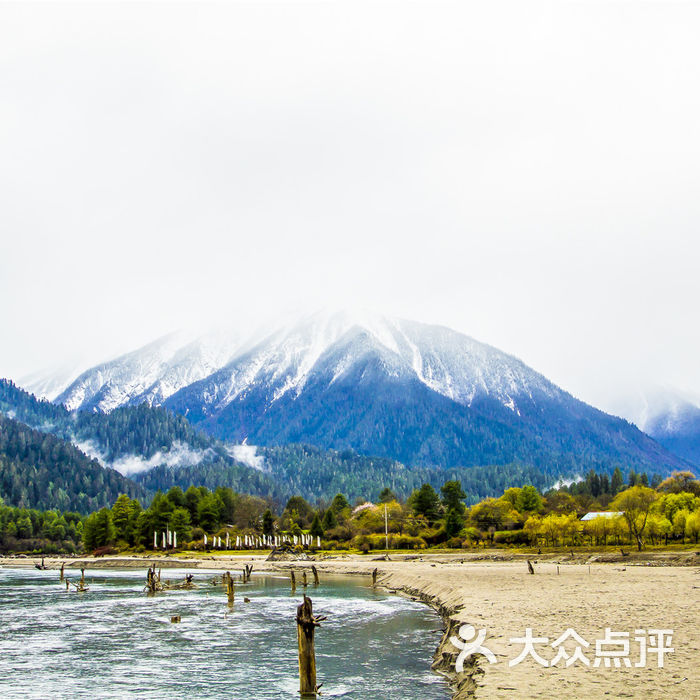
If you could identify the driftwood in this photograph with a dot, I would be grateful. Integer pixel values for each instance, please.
(153, 582)
(63, 564)
(81, 586)
(304, 582)
(374, 578)
(315, 573)
(530, 567)
(293, 579)
(41, 566)
(306, 627)
(175, 618)
(624, 554)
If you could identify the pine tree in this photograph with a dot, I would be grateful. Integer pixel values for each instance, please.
(425, 502)
(316, 527)
(329, 520)
(453, 495)
(454, 522)
(268, 523)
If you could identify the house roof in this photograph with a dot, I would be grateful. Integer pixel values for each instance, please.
(601, 514)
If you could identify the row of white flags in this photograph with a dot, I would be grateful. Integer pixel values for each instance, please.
(261, 541)
(169, 539)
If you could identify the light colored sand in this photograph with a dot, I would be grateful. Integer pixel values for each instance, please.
(503, 598)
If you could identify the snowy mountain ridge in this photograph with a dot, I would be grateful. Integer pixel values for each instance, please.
(449, 363)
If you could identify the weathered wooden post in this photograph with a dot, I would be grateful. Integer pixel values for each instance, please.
(62, 566)
(530, 568)
(304, 582)
(315, 572)
(82, 578)
(229, 587)
(293, 579)
(306, 626)
(374, 578)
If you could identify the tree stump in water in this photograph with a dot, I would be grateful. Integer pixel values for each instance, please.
(306, 627)
(530, 568)
(374, 578)
(229, 587)
(315, 573)
(304, 582)
(62, 567)
(293, 579)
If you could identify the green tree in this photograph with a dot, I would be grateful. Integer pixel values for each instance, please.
(616, 482)
(316, 527)
(209, 512)
(192, 498)
(98, 529)
(425, 502)
(176, 497)
(124, 512)
(329, 520)
(268, 522)
(453, 496)
(180, 523)
(529, 500)
(454, 522)
(387, 495)
(339, 504)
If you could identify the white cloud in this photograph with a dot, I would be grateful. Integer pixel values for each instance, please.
(247, 454)
(179, 455)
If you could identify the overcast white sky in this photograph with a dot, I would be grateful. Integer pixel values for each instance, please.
(526, 173)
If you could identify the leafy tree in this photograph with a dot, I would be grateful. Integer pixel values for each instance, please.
(635, 504)
(299, 509)
(529, 500)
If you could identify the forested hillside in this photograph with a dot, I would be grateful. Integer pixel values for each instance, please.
(39, 470)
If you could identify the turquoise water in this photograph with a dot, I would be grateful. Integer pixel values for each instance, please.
(114, 641)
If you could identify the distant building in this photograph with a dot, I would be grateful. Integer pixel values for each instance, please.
(601, 514)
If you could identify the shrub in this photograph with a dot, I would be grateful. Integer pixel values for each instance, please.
(511, 537)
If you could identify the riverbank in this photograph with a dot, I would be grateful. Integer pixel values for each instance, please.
(499, 595)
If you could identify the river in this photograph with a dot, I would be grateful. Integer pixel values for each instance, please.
(114, 641)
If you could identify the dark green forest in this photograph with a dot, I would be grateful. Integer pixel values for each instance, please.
(39, 470)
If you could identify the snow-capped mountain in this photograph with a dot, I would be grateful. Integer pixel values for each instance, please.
(446, 362)
(669, 415)
(422, 394)
(151, 373)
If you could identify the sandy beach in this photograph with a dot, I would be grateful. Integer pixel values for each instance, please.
(496, 593)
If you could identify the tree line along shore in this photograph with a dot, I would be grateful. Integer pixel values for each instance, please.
(631, 512)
